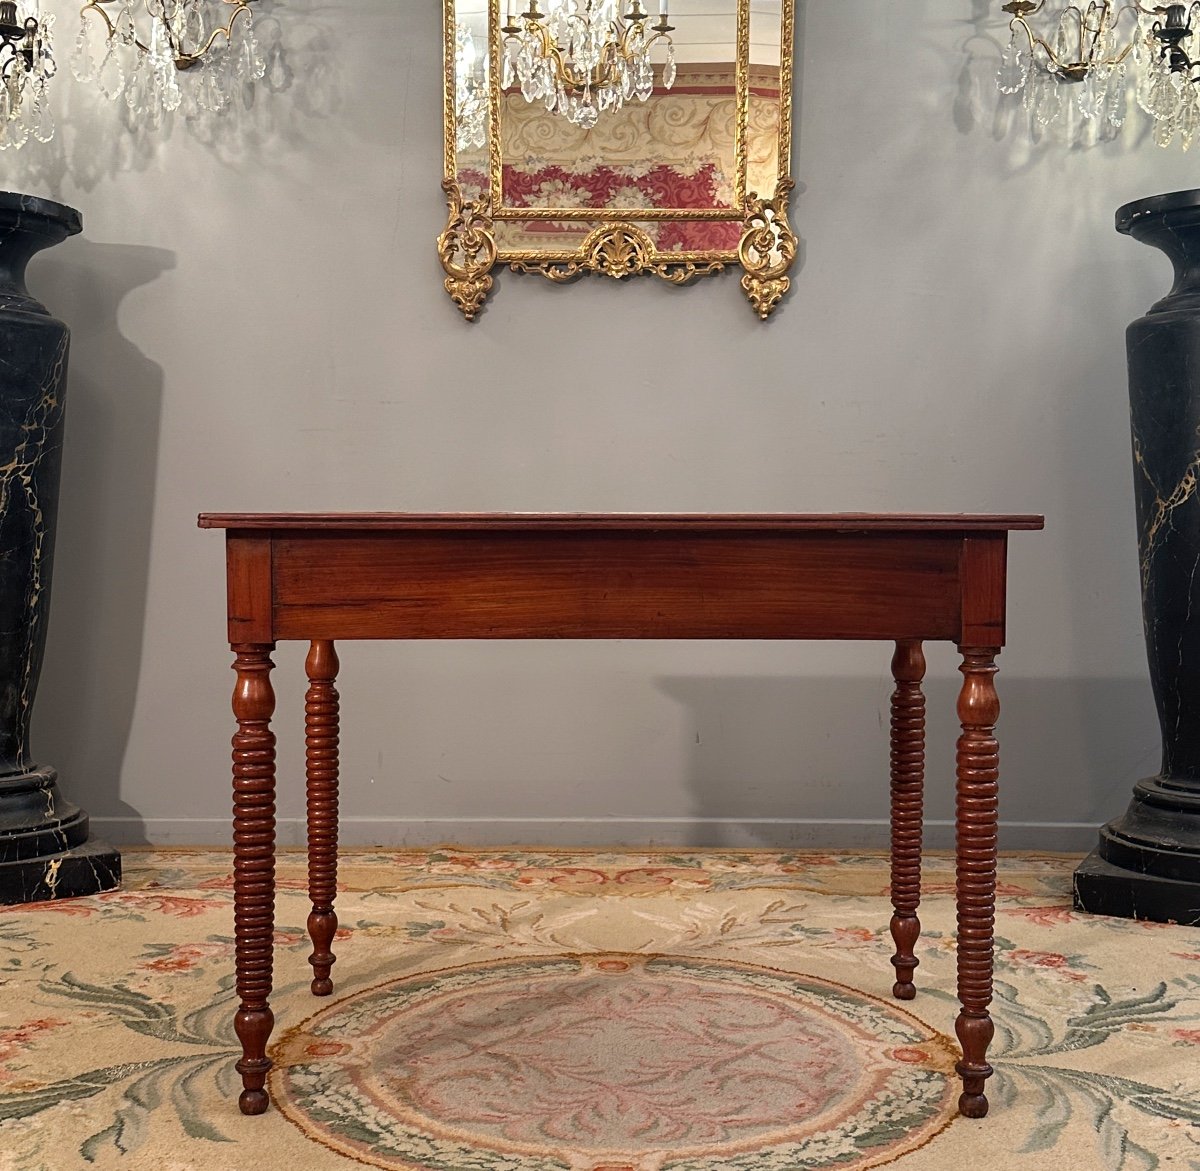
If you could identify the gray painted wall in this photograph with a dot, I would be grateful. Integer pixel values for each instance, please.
(259, 324)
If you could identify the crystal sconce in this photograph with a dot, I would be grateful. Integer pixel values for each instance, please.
(135, 48)
(26, 65)
(1084, 60)
(584, 57)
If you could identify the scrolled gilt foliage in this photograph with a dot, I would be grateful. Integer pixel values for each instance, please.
(467, 250)
(618, 250)
(768, 249)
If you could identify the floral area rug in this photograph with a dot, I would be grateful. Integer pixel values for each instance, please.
(588, 1011)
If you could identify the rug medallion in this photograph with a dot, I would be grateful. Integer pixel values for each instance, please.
(615, 1062)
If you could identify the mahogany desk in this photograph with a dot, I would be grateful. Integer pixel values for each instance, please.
(904, 579)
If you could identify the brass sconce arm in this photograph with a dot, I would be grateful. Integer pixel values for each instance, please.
(184, 58)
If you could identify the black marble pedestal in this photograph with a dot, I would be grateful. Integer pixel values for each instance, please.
(1147, 864)
(44, 848)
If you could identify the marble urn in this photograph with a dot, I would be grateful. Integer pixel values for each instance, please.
(45, 849)
(1147, 863)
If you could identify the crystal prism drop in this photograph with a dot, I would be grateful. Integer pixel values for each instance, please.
(126, 31)
(1147, 77)
(1014, 65)
(110, 77)
(193, 24)
(19, 115)
(27, 115)
(1085, 95)
(1066, 40)
(248, 65)
(1164, 99)
(211, 99)
(83, 63)
(669, 70)
(645, 79)
(169, 91)
(1118, 98)
(1049, 104)
(525, 71)
(1188, 120)
(43, 120)
(137, 91)
(44, 64)
(160, 46)
(586, 116)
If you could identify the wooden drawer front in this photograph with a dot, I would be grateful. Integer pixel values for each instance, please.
(615, 585)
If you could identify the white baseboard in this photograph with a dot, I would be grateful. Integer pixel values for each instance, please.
(675, 832)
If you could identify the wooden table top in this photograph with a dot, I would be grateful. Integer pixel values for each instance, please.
(624, 521)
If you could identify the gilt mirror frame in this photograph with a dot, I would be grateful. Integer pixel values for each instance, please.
(616, 241)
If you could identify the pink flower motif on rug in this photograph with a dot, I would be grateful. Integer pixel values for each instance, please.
(1063, 966)
(1042, 916)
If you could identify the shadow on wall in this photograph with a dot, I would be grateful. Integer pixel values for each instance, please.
(1070, 750)
(114, 402)
(98, 138)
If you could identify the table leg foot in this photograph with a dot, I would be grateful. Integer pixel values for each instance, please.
(905, 933)
(321, 716)
(254, 1030)
(978, 769)
(907, 785)
(322, 927)
(974, 1035)
(253, 866)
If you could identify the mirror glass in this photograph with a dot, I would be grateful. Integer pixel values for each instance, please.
(472, 79)
(570, 121)
(763, 129)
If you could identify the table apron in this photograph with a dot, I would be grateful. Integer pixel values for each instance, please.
(606, 584)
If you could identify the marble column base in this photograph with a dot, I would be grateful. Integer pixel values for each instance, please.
(84, 870)
(44, 848)
(1104, 889)
(1147, 865)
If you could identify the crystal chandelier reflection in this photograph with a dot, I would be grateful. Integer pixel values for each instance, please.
(26, 65)
(470, 90)
(133, 49)
(1088, 58)
(583, 57)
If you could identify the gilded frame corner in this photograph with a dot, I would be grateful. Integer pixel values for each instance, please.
(617, 246)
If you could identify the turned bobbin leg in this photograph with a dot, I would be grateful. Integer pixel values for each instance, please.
(908, 776)
(253, 865)
(321, 761)
(978, 774)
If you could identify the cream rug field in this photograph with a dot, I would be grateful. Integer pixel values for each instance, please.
(583, 1011)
